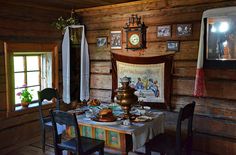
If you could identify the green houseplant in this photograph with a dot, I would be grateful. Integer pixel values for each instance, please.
(25, 96)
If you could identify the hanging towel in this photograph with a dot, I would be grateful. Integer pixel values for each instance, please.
(84, 74)
(199, 79)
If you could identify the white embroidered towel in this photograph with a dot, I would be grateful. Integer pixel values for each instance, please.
(84, 80)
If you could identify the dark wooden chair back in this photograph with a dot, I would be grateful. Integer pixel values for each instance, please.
(185, 113)
(46, 94)
(68, 120)
(167, 143)
(78, 145)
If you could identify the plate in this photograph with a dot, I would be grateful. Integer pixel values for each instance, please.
(107, 123)
(105, 119)
(142, 119)
(77, 112)
(146, 107)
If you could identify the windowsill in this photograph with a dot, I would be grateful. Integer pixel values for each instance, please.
(33, 107)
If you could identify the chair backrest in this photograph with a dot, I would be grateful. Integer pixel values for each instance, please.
(47, 94)
(185, 113)
(68, 120)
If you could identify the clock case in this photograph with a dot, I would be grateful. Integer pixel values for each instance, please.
(134, 26)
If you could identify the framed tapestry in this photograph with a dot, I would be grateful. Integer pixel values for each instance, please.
(150, 76)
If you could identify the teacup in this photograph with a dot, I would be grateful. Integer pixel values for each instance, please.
(141, 111)
(126, 122)
(88, 114)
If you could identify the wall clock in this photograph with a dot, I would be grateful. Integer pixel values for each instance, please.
(135, 33)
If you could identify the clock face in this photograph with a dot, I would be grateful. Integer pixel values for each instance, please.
(134, 39)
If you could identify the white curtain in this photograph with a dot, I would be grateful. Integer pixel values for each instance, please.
(199, 79)
(84, 74)
(46, 74)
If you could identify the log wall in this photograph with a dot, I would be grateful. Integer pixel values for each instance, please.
(23, 24)
(216, 112)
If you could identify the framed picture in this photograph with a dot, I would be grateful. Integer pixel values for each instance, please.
(116, 40)
(172, 46)
(149, 76)
(149, 84)
(184, 29)
(164, 31)
(102, 42)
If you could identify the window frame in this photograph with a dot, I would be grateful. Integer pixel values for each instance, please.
(9, 49)
(26, 71)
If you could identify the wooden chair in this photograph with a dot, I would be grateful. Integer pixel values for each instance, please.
(78, 145)
(46, 121)
(174, 144)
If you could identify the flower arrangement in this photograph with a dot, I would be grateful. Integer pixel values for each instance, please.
(61, 23)
(25, 95)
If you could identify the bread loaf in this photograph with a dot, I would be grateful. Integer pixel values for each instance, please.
(105, 112)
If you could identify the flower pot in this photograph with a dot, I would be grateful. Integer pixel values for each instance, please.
(25, 104)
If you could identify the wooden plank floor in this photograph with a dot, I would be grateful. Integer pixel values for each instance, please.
(33, 147)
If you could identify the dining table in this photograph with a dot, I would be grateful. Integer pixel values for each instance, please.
(118, 135)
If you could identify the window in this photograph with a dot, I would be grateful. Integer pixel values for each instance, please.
(27, 73)
(34, 66)
(218, 40)
(32, 71)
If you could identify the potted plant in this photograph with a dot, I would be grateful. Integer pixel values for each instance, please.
(25, 96)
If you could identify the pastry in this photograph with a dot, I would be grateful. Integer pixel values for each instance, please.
(94, 102)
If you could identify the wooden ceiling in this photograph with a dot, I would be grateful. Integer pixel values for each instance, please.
(65, 4)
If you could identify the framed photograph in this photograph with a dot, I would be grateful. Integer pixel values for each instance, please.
(164, 31)
(184, 29)
(116, 40)
(102, 42)
(172, 46)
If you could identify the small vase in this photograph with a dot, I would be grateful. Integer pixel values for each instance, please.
(25, 104)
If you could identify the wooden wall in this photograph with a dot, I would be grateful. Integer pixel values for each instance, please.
(216, 112)
(23, 24)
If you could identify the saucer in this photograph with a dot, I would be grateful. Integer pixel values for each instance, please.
(125, 126)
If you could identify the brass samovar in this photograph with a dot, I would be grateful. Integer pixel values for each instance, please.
(125, 96)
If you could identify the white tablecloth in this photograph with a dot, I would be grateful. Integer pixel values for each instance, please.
(141, 132)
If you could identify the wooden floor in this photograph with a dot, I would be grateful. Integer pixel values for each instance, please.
(33, 147)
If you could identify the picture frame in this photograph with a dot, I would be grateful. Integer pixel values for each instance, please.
(102, 42)
(184, 29)
(160, 70)
(149, 85)
(116, 40)
(164, 31)
(172, 46)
